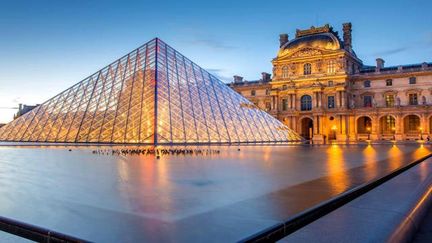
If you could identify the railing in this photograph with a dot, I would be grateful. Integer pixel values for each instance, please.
(304, 218)
(35, 233)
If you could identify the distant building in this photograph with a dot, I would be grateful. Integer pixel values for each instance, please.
(322, 90)
(22, 109)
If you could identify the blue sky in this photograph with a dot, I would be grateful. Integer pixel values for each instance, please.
(47, 46)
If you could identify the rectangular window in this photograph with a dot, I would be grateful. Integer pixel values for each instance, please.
(284, 104)
(330, 83)
(267, 91)
(367, 83)
(253, 92)
(413, 99)
(389, 99)
(412, 80)
(331, 67)
(268, 106)
(389, 82)
(330, 102)
(367, 101)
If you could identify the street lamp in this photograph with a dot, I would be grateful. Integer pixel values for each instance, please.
(394, 130)
(368, 130)
(421, 133)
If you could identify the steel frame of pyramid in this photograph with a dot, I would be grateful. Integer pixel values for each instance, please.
(153, 95)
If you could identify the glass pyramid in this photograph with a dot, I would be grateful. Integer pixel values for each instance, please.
(153, 95)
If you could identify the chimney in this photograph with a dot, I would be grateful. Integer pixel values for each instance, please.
(265, 76)
(379, 64)
(238, 79)
(283, 39)
(347, 36)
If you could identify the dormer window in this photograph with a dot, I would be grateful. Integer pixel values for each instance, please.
(367, 83)
(307, 69)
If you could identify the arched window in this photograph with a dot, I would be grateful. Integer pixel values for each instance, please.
(306, 103)
(284, 72)
(331, 66)
(307, 69)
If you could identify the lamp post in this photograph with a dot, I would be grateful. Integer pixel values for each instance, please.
(421, 133)
(394, 130)
(368, 130)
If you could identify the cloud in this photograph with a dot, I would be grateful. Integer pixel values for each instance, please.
(391, 51)
(16, 100)
(211, 43)
(219, 73)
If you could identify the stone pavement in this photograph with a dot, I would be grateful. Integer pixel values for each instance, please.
(424, 234)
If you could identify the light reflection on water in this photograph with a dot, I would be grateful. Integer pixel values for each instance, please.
(176, 190)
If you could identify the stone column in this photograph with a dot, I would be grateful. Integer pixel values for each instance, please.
(352, 127)
(317, 136)
(342, 135)
(343, 93)
(375, 128)
(424, 125)
(289, 101)
(399, 128)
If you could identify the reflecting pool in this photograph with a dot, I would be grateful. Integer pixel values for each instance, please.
(215, 197)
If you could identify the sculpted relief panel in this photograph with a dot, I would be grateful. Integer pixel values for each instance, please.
(306, 52)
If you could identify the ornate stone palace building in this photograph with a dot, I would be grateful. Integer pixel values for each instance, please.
(322, 90)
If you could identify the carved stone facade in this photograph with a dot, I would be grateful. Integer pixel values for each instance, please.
(322, 90)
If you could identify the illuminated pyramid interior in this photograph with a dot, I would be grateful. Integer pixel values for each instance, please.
(153, 95)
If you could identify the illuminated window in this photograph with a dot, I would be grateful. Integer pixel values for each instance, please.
(367, 101)
(413, 123)
(284, 104)
(253, 92)
(306, 103)
(413, 99)
(331, 102)
(284, 72)
(389, 82)
(388, 124)
(331, 67)
(307, 69)
(390, 101)
(412, 80)
(367, 83)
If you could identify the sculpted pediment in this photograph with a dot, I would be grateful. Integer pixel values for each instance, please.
(306, 52)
